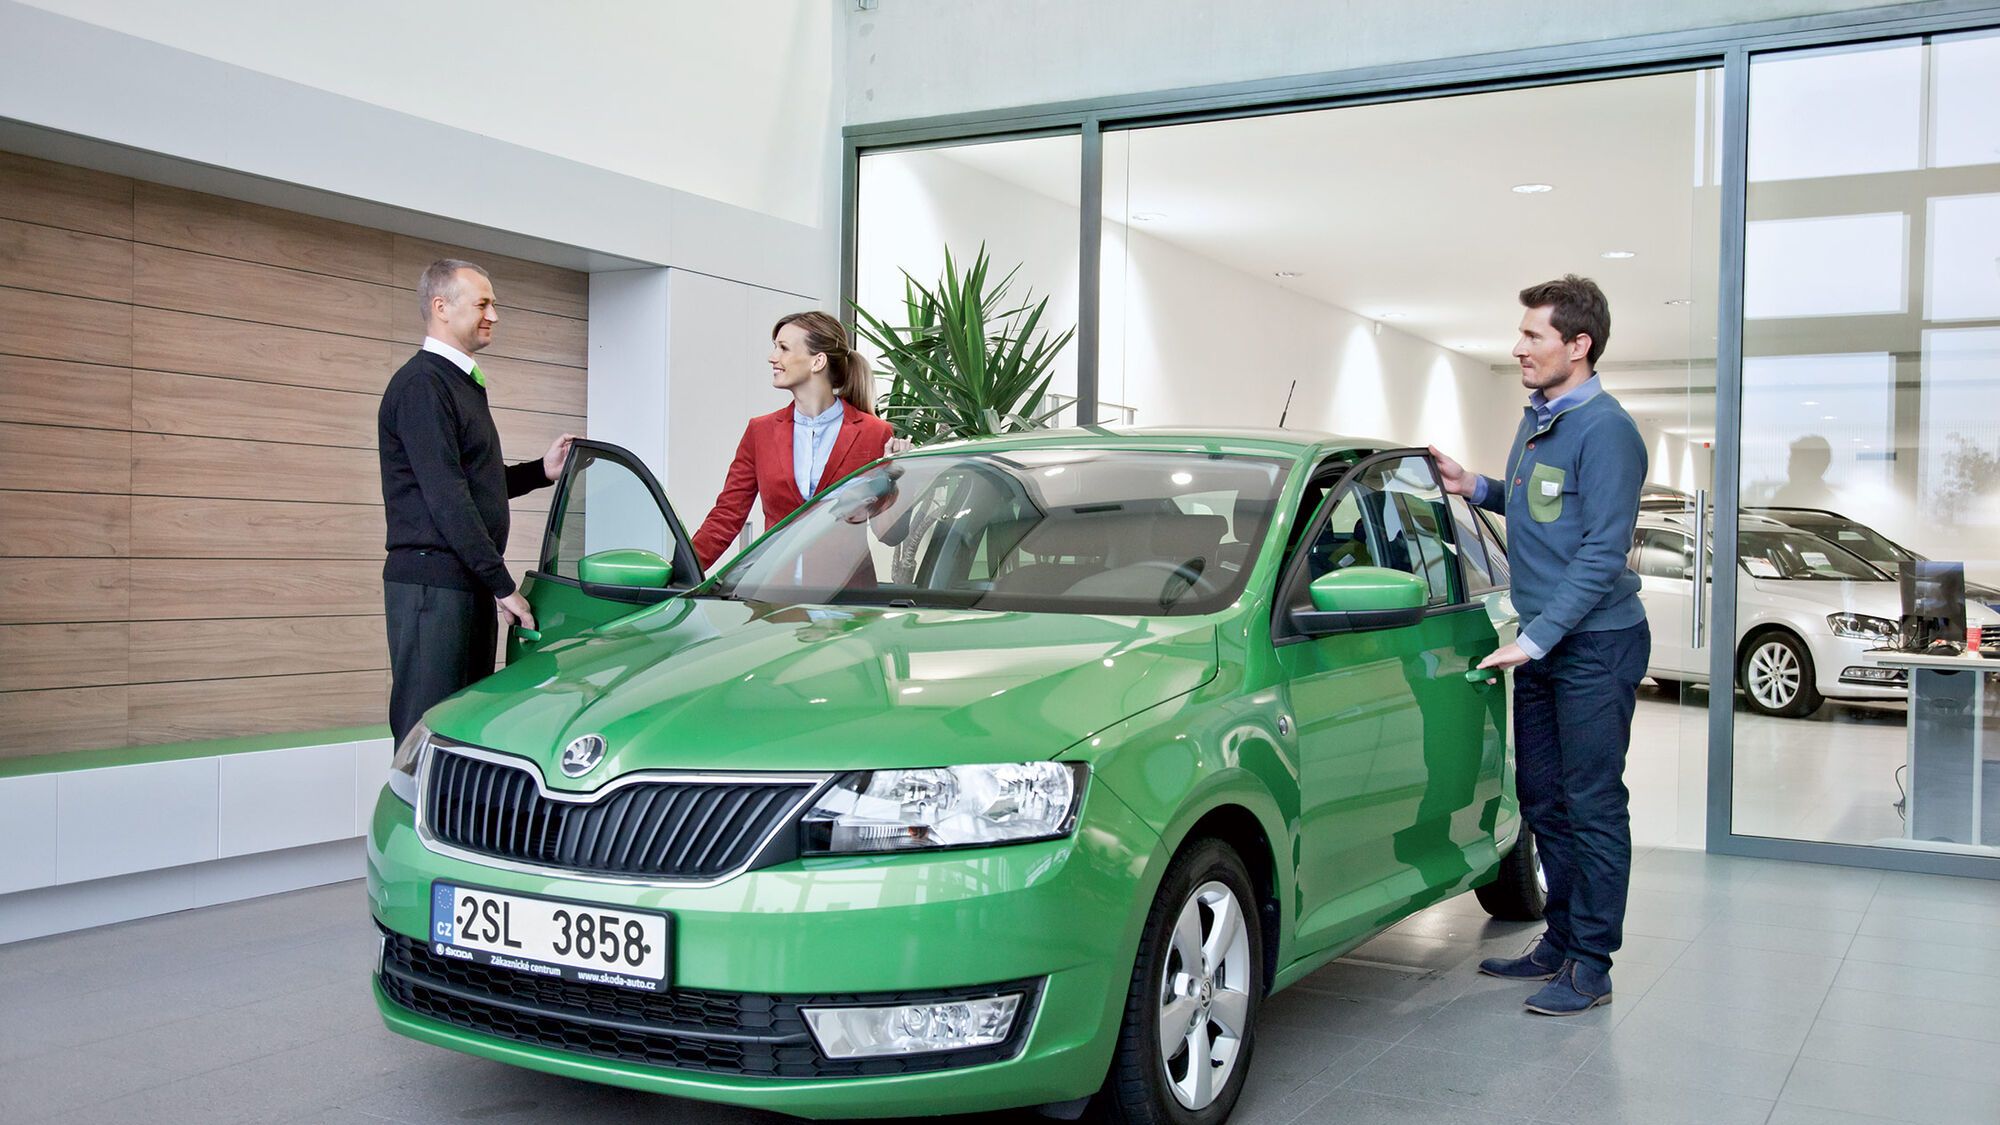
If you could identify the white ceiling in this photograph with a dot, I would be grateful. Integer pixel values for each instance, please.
(1407, 208)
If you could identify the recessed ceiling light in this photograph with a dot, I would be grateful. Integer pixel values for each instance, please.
(1286, 273)
(1148, 216)
(1533, 189)
(1680, 301)
(1616, 255)
(1826, 418)
(1389, 316)
(1810, 402)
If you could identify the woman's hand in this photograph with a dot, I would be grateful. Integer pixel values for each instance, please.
(897, 445)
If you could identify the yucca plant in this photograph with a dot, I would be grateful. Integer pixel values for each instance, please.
(964, 364)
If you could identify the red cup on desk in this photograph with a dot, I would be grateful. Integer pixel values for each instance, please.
(1972, 638)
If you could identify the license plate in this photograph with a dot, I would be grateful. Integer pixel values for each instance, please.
(576, 941)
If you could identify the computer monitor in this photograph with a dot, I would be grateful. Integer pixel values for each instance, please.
(1933, 602)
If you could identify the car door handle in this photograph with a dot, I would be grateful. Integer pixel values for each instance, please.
(1482, 677)
(527, 634)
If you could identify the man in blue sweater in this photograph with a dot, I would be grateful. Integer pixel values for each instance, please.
(1571, 498)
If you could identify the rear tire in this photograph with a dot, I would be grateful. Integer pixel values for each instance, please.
(1520, 892)
(1191, 1008)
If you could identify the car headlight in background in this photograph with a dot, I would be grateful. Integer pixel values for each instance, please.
(1862, 627)
(949, 807)
(409, 758)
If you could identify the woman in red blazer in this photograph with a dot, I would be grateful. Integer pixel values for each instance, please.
(827, 431)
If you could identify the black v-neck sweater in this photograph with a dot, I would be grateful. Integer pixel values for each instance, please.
(444, 487)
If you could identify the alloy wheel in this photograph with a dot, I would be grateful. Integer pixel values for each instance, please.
(1773, 675)
(1204, 1006)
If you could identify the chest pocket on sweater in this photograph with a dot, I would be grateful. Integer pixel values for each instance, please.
(1545, 493)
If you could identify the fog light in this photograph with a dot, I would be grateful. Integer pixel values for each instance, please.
(1866, 674)
(858, 1033)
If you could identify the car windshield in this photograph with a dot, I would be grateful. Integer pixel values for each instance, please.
(1861, 540)
(1799, 555)
(1040, 530)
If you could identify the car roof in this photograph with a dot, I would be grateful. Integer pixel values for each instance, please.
(1684, 521)
(1192, 439)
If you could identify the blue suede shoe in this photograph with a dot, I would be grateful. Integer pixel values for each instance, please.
(1539, 961)
(1575, 990)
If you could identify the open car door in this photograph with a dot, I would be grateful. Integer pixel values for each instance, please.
(613, 545)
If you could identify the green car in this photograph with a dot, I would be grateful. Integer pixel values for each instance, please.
(1006, 773)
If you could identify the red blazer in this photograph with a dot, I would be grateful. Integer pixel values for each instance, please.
(763, 468)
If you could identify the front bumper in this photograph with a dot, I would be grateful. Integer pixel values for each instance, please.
(1059, 919)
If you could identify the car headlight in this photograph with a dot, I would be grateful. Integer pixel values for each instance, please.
(949, 807)
(408, 760)
(1862, 627)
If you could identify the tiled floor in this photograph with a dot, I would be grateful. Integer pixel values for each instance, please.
(1748, 991)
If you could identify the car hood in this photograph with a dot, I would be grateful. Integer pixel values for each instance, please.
(1876, 599)
(721, 685)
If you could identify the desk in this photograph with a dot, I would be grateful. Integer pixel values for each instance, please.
(1954, 794)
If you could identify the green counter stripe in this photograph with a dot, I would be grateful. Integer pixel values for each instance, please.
(180, 751)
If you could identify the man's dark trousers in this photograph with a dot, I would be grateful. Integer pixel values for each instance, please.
(440, 640)
(1572, 726)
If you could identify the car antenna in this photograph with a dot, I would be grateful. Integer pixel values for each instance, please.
(1288, 404)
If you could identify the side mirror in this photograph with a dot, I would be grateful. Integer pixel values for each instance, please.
(1362, 598)
(625, 566)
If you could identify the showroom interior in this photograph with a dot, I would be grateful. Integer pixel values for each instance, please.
(1273, 215)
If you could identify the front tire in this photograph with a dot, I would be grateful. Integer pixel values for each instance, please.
(1191, 1010)
(1776, 675)
(1521, 891)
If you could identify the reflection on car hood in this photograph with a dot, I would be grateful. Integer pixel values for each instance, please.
(1876, 599)
(719, 685)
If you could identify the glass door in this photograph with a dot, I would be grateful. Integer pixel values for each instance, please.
(1870, 466)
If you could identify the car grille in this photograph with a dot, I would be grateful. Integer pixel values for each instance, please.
(666, 829)
(745, 1033)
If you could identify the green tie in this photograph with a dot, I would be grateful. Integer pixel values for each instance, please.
(478, 376)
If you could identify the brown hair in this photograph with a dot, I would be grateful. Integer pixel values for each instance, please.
(846, 369)
(1576, 306)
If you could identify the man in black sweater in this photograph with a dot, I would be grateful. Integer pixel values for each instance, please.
(444, 493)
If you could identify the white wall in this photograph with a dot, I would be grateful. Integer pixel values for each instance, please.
(909, 58)
(1185, 341)
(735, 102)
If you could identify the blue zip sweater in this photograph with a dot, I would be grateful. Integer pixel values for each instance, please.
(1571, 500)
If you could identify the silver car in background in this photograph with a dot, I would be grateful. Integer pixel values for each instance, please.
(1807, 612)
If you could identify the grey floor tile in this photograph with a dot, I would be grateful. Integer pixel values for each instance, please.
(1926, 954)
(1790, 914)
(1605, 1099)
(1359, 1107)
(1913, 1013)
(1289, 1058)
(50, 1085)
(1360, 1017)
(1974, 935)
(1416, 951)
(1356, 978)
(1739, 990)
(1791, 1113)
(1657, 922)
(1265, 1104)
(1473, 1026)
(1938, 888)
(1666, 1052)
(1980, 913)
(1473, 1081)
(1804, 968)
(1653, 950)
(1783, 939)
(1912, 980)
(1744, 1028)
(1855, 1088)
(1911, 1052)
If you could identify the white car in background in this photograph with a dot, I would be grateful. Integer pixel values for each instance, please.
(1807, 612)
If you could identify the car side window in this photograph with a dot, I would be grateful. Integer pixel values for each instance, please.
(1475, 550)
(1390, 514)
(1664, 554)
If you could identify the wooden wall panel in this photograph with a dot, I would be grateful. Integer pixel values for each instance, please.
(65, 525)
(61, 195)
(71, 655)
(164, 340)
(34, 591)
(52, 260)
(228, 228)
(170, 465)
(276, 646)
(62, 459)
(53, 326)
(196, 589)
(179, 528)
(177, 279)
(50, 392)
(516, 284)
(177, 712)
(199, 405)
(191, 527)
(49, 722)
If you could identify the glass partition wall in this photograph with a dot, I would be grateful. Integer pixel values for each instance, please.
(1803, 263)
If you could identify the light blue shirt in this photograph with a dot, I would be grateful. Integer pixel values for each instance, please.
(812, 445)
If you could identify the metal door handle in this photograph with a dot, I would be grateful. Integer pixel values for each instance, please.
(1697, 616)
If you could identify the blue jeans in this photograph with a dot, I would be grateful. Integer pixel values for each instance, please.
(1572, 726)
